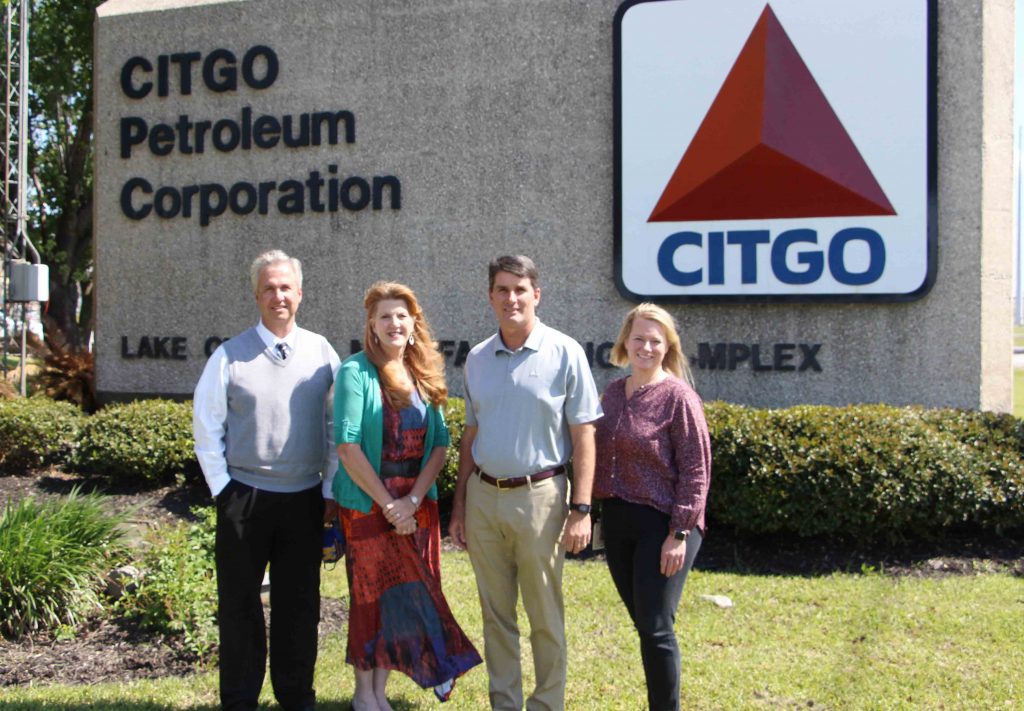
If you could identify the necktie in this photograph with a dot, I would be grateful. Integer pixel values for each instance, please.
(282, 350)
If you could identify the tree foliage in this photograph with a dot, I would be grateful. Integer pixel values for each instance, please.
(60, 156)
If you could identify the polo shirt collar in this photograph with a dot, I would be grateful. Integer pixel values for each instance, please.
(533, 341)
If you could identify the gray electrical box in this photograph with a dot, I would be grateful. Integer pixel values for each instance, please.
(29, 282)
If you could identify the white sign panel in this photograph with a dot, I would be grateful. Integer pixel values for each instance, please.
(775, 152)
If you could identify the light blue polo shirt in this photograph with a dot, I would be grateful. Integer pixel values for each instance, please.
(524, 401)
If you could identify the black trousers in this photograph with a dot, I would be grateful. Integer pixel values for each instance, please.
(633, 536)
(254, 528)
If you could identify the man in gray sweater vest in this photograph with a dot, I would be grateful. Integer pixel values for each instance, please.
(261, 421)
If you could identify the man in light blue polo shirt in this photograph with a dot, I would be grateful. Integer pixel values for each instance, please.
(531, 403)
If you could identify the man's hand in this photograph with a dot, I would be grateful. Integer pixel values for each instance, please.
(331, 510)
(457, 523)
(457, 527)
(577, 531)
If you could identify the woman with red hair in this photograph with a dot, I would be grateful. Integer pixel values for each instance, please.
(392, 438)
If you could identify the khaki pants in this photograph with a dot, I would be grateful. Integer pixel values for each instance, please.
(515, 544)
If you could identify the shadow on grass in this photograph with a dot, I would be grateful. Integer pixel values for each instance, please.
(101, 706)
(957, 553)
(960, 552)
(343, 705)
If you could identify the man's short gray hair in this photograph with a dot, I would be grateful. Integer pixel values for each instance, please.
(269, 257)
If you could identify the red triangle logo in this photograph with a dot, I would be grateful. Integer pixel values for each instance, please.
(770, 146)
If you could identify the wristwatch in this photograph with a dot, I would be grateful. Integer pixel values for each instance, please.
(415, 500)
(582, 508)
(681, 535)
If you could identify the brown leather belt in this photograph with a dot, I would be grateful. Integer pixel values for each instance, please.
(512, 482)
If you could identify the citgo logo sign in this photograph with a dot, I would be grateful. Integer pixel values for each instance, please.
(775, 152)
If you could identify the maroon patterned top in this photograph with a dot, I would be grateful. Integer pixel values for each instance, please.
(404, 430)
(654, 449)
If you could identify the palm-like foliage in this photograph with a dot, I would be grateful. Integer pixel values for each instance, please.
(68, 374)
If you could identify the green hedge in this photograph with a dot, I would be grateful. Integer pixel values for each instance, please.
(863, 472)
(149, 440)
(455, 418)
(866, 471)
(37, 432)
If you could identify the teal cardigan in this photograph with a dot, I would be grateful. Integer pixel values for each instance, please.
(359, 417)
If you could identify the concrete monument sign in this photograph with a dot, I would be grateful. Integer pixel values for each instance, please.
(379, 139)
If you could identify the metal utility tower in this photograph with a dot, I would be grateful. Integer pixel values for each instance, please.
(14, 77)
(13, 218)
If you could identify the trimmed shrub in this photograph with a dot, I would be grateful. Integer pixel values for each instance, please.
(53, 558)
(37, 432)
(147, 440)
(177, 593)
(865, 471)
(455, 418)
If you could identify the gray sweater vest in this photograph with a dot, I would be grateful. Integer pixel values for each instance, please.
(276, 432)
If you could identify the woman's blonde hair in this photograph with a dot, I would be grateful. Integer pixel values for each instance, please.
(422, 357)
(675, 360)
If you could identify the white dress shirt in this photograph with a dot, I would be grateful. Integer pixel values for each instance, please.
(210, 412)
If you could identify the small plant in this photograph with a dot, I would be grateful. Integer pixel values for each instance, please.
(36, 432)
(53, 557)
(177, 593)
(68, 374)
(144, 441)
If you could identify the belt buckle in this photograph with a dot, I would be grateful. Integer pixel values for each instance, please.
(500, 483)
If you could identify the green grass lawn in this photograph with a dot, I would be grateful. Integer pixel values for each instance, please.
(843, 641)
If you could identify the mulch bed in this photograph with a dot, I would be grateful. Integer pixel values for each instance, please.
(114, 649)
(117, 649)
(110, 649)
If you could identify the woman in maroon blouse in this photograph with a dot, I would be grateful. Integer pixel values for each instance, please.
(653, 472)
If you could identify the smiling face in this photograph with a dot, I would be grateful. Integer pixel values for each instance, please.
(646, 345)
(392, 324)
(278, 296)
(514, 300)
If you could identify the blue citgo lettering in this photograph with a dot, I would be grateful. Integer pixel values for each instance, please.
(876, 260)
(814, 261)
(716, 258)
(667, 252)
(748, 241)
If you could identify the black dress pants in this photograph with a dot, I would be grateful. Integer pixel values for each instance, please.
(254, 528)
(633, 536)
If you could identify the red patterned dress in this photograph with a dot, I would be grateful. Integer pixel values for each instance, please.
(398, 616)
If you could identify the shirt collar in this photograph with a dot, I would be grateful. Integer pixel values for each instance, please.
(532, 342)
(269, 339)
